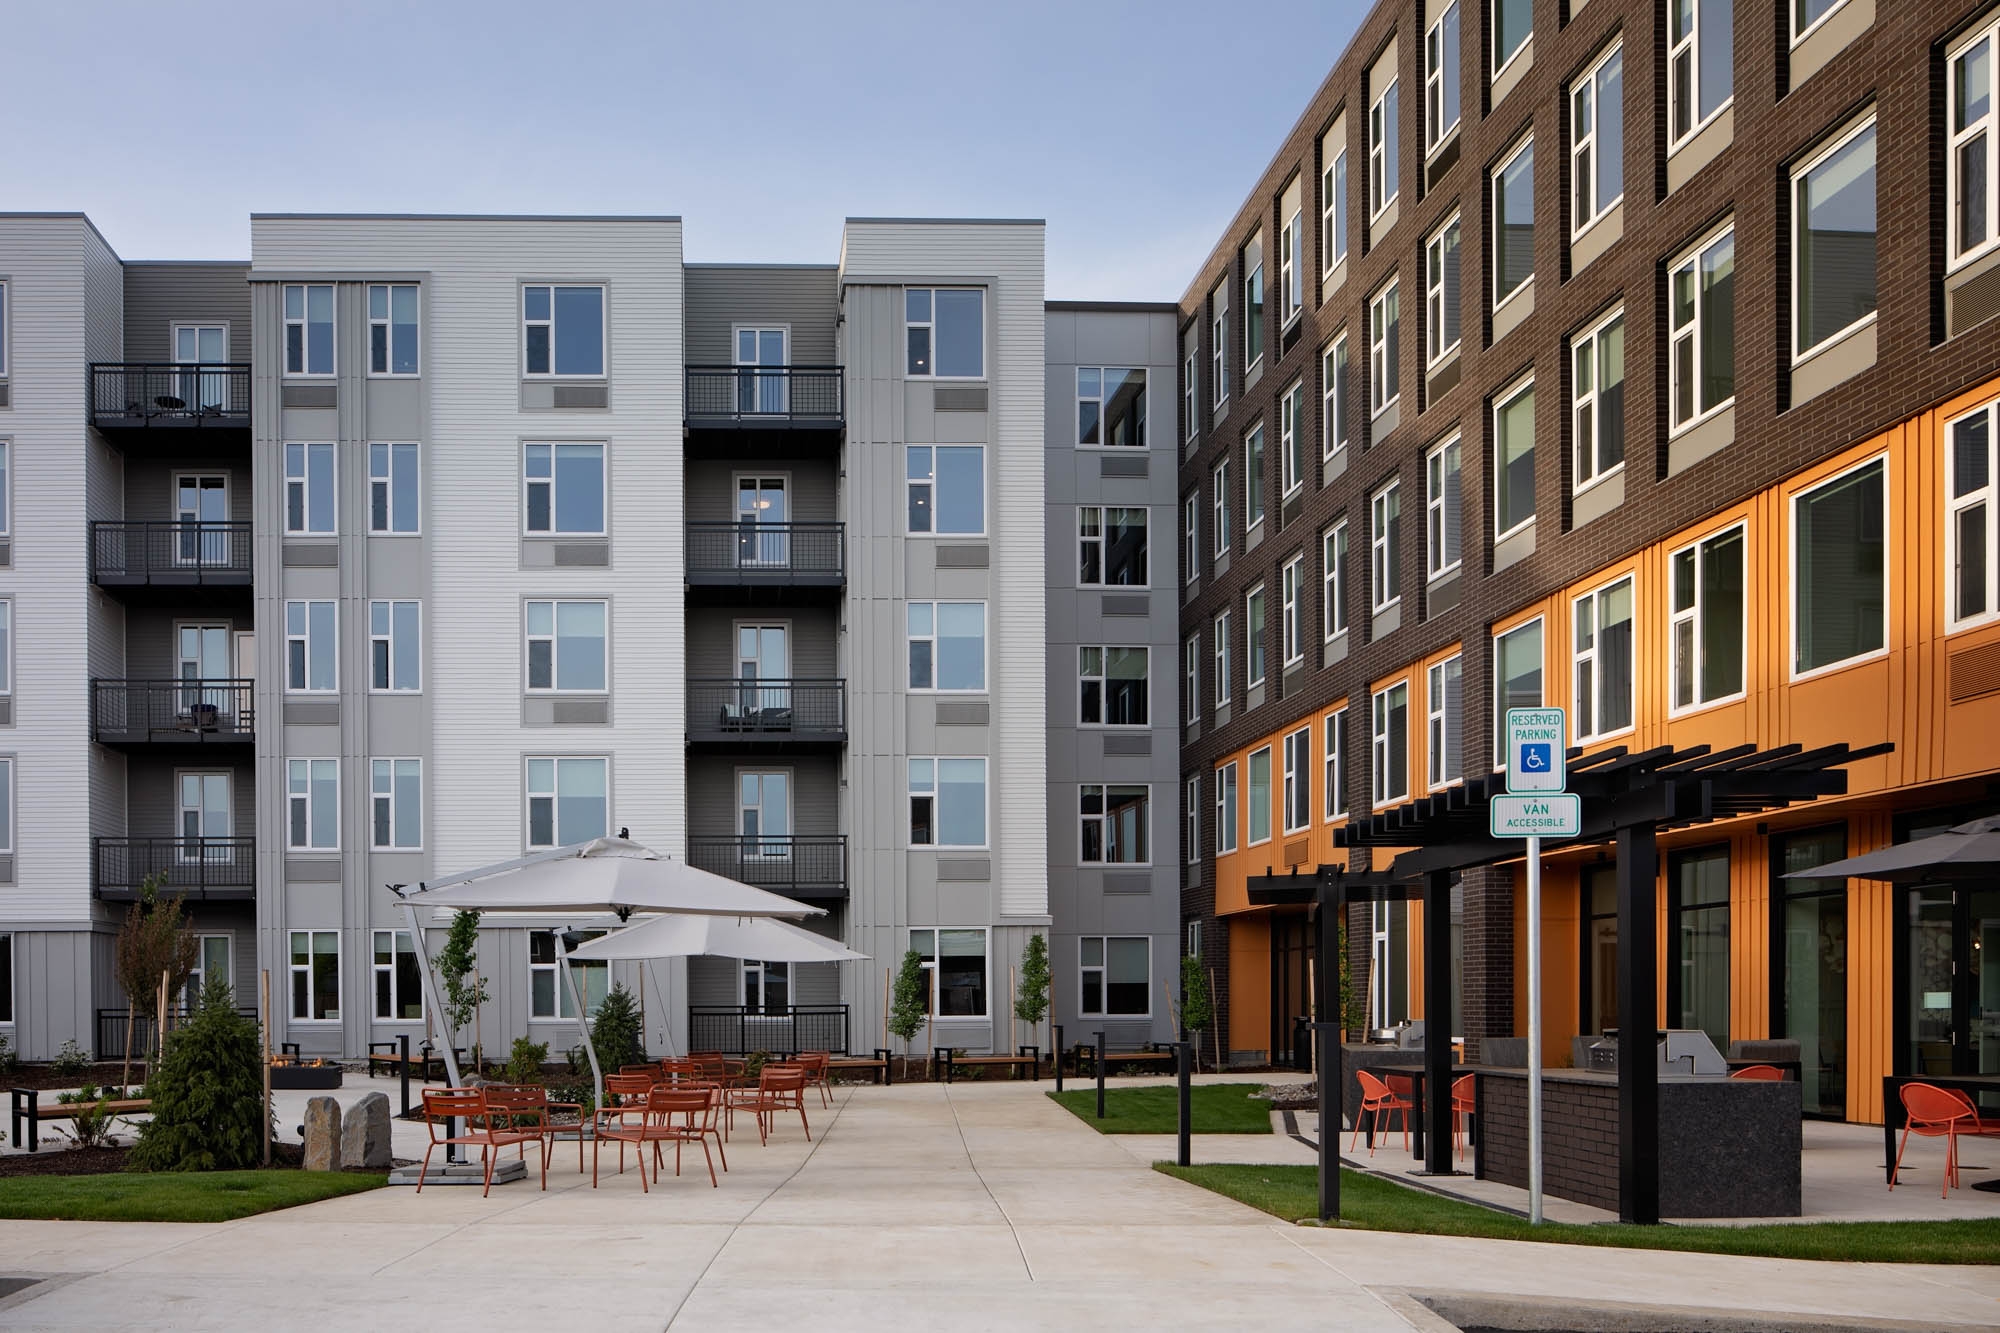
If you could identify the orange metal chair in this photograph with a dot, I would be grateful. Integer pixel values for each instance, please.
(1463, 1103)
(1938, 1113)
(817, 1064)
(1379, 1099)
(442, 1106)
(780, 1088)
(1759, 1073)
(696, 1109)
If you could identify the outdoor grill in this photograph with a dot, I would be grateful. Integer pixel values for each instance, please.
(1684, 1053)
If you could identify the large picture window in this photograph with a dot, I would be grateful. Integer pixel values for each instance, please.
(1601, 644)
(399, 985)
(1972, 546)
(947, 646)
(567, 646)
(392, 329)
(1707, 620)
(1701, 75)
(315, 975)
(1115, 976)
(1513, 25)
(548, 992)
(309, 329)
(1701, 313)
(1444, 714)
(947, 802)
(569, 800)
(1116, 824)
(1225, 809)
(1833, 241)
(946, 328)
(1839, 595)
(1112, 686)
(562, 330)
(563, 489)
(955, 962)
(1972, 179)
(1110, 407)
(1441, 78)
(947, 489)
(1298, 780)
(1260, 796)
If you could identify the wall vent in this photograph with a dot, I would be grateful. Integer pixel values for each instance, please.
(1974, 672)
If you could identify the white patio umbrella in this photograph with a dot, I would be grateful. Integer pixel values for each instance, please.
(717, 936)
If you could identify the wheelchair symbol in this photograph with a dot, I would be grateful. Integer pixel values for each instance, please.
(1535, 758)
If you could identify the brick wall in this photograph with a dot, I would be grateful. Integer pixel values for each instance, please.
(1579, 1138)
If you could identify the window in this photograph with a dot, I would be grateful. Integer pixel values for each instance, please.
(315, 972)
(1190, 389)
(1700, 59)
(1441, 79)
(1291, 262)
(1702, 318)
(399, 985)
(1514, 459)
(1218, 339)
(1334, 738)
(1597, 140)
(568, 800)
(563, 489)
(1116, 974)
(1384, 368)
(1111, 547)
(1110, 407)
(956, 962)
(1253, 477)
(395, 645)
(1298, 780)
(767, 987)
(1441, 293)
(6, 646)
(1706, 620)
(1840, 605)
(309, 488)
(1253, 628)
(309, 647)
(1382, 186)
(1513, 25)
(396, 794)
(1222, 507)
(1833, 244)
(1334, 398)
(1333, 211)
(947, 646)
(566, 646)
(1597, 400)
(1112, 686)
(1972, 554)
(1443, 748)
(1385, 541)
(1225, 809)
(1442, 535)
(1116, 826)
(947, 489)
(1806, 16)
(1698, 977)
(6, 469)
(1191, 663)
(312, 790)
(1191, 534)
(392, 329)
(309, 328)
(947, 802)
(1192, 838)
(1291, 436)
(1260, 796)
(1333, 579)
(1253, 304)
(1291, 629)
(211, 963)
(1514, 222)
(1602, 648)
(7, 811)
(1222, 660)
(1517, 678)
(1391, 758)
(562, 330)
(946, 331)
(1969, 167)
(393, 488)
(548, 992)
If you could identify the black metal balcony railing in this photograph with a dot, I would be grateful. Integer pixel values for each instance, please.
(170, 393)
(767, 553)
(170, 553)
(118, 1036)
(766, 396)
(199, 868)
(767, 710)
(737, 1029)
(809, 866)
(123, 711)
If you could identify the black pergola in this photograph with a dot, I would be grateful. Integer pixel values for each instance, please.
(1629, 799)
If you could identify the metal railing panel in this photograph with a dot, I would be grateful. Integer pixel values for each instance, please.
(195, 867)
(767, 552)
(773, 708)
(764, 395)
(195, 709)
(170, 552)
(800, 866)
(136, 393)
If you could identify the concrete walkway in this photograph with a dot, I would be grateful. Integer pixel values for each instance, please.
(982, 1206)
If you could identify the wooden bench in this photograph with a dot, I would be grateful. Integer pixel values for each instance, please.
(1083, 1058)
(878, 1064)
(27, 1110)
(1031, 1056)
(429, 1065)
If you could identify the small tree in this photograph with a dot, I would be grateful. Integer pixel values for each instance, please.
(457, 965)
(1197, 1005)
(153, 941)
(525, 1061)
(615, 1031)
(911, 1003)
(209, 1112)
(1031, 1006)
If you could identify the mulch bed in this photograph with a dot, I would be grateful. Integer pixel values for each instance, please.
(98, 1075)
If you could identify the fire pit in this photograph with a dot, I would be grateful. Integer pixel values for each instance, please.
(289, 1073)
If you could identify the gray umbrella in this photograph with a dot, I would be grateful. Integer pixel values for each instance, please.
(1970, 851)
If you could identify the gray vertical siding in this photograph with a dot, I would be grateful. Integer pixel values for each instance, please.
(721, 296)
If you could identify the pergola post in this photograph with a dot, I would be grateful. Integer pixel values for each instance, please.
(1332, 907)
(1638, 1053)
(1437, 1023)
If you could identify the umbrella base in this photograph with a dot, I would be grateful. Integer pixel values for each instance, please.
(461, 1173)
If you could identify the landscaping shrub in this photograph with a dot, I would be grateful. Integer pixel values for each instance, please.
(8, 1060)
(70, 1059)
(92, 1127)
(615, 1032)
(525, 1061)
(209, 1112)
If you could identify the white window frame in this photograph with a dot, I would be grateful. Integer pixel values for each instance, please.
(1103, 434)
(1383, 140)
(305, 637)
(1792, 503)
(1250, 797)
(1690, 45)
(308, 766)
(1583, 729)
(1437, 79)
(1333, 580)
(1218, 342)
(395, 649)
(1253, 478)
(1253, 320)
(1955, 141)
(1221, 480)
(1103, 679)
(304, 325)
(1291, 439)
(1583, 148)
(936, 795)
(1103, 513)
(1435, 268)
(387, 323)
(1103, 970)
(1103, 820)
(1501, 63)
(1383, 561)
(911, 637)
(1380, 748)
(1191, 788)
(1800, 34)
(377, 969)
(1439, 525)
(385, 482)
(1332, 399)
(1506, 398)
(1799, 173)
(1291, 612)
(931, 324)
(378, 793)
(1222, 663)
(1539, 624)
(1333, 213)
(1191, 519)
(1444, 728)
(1381, 348)
(1296, 788)
(1690, 258)
(1333, 728)
(1191, 387)
(301, 484)
(1495, 184)
(9, 804)
(1291, 270)
(1254, 601)
(554, 639)
(553, 794)
(603, 324)
(1987, 497)
(1694, 615)
(312, 990)
(529, 483)
(1592, 404)
(930, 481)
(560, 1010)
(1227, 831)
(1191, 665)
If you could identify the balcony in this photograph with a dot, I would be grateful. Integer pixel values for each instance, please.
(811, 868)
(170, 555)
(169, 395)
(775, 411)
(201, 869)
(766, 562)
(770, 712)
(741, 1029)
(138, 712)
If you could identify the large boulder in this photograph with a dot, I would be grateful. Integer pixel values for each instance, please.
(364, 1133)
(322, 1129)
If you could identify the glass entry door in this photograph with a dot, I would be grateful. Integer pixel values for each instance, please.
(763, 654)
(763, 511)
(764, 814)
(204, 653)
(204, 814)
(211, 959)
(202, 345)
(754, 392)
(1953, 999)
(1810, 966)
(201, 509)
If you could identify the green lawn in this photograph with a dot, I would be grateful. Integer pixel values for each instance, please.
(1375, 1204)
(1218, 1108)
(168, 1196)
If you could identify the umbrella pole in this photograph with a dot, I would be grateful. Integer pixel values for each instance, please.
(583, 1025)
(666, 1011)
(433, 1001)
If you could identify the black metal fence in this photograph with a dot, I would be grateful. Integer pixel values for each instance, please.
(129, 710)
(741, 1030)
(764, 395)
(112, 1026)
(199, 868)
(767, 552)
(811, 866)
(776, 709)
(170, 393)
(170, 552)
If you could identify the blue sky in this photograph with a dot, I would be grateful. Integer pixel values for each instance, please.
(1134, 129)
